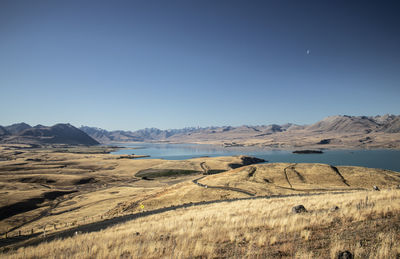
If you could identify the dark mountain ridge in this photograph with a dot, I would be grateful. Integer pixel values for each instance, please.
(17, 128)
(3, 131)
(57, 134)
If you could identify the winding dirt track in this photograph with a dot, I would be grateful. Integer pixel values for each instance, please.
(205, 167)
(195, 181)
(286, 176)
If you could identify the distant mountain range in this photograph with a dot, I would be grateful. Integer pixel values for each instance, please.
(337, 124)
(39, 134)
(357, 127)
(148, 134)
(154, 134)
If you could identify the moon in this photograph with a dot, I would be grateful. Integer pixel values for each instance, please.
(308, 52)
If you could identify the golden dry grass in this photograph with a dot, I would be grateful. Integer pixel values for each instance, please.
(270, 179)
(107, 182)
(285, 178)
(368, 227)
(252, 228)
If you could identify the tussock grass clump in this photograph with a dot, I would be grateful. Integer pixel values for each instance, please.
(247, 229)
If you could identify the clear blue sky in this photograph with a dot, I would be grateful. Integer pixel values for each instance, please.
(170, 64)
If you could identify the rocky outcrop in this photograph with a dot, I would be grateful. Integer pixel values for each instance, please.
(345, 255)
(299, 209)
(249, 160)
(324, 141)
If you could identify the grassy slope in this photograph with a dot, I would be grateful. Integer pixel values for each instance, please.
(285, 178)
(269, 179)
(367, 224)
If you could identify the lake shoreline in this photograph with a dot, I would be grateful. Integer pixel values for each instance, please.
(372, 158)
(288, 148)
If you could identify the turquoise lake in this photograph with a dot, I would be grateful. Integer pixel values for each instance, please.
(380, 158)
